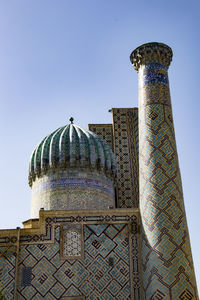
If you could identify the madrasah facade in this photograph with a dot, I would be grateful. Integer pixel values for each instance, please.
(107, 211)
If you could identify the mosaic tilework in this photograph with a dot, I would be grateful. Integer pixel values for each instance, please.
(64, 182)
(92, 277)
(73, 298)
(125, 122)
(7, 270)
(47, 236)
(125, 146)
(53, 277)
(167, 262)
(72, 189)
(103, 130)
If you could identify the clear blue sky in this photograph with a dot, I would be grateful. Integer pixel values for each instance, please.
(66, 58)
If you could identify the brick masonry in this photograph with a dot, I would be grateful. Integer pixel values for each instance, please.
(108, 268)
(72, 189)
(103, 130)
(101, 253)
(122, 136)
(166, 256)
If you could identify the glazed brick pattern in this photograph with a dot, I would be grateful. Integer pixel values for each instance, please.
(93, 276)
(75, 189)
(7, 270)
(103, 130)
(125, 122)
(122, 136)
(167, 262)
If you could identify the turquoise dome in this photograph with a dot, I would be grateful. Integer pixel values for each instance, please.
(71, 146)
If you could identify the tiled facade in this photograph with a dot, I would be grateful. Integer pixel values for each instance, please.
(166, 256)
(125, 123)
(122, 136)
(7, 269)
(103, 130)
(72, 189)
(109, 228)
(108, 267)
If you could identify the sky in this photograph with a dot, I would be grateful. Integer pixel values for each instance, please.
(71, 58)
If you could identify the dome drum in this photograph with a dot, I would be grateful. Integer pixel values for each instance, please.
(72, 189)
(72, 168)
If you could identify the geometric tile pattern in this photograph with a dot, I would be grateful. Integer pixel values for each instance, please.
(73, 298)
(125, 122)
(92, 276)
(7, 270)
(122, 137)
(167, 262)
(50, 221)
(72, 242)
(103, 130)
(158, 295)
(186, 295)
(109, 268)
(59, 191)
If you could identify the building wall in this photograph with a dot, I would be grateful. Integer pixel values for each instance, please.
(103, 130)
(122, 136)
(7, 270)
(106, 267)
(72, 189)
(168, 271)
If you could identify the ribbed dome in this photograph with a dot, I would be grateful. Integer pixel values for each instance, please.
(71, 146)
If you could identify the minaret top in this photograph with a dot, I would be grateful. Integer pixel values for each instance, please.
(151, 52)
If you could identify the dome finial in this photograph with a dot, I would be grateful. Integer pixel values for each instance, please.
(71, 120)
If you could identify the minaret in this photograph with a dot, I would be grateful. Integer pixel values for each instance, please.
(166, 255)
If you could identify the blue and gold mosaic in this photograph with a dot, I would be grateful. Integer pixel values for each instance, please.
(125, 127)
(166, 256)
(97, 253)
(7, 270)
(122, 137)
(108, 269)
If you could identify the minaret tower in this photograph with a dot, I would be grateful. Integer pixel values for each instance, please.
(166, 255)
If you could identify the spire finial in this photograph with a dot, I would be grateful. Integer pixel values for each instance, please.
(71, 120)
